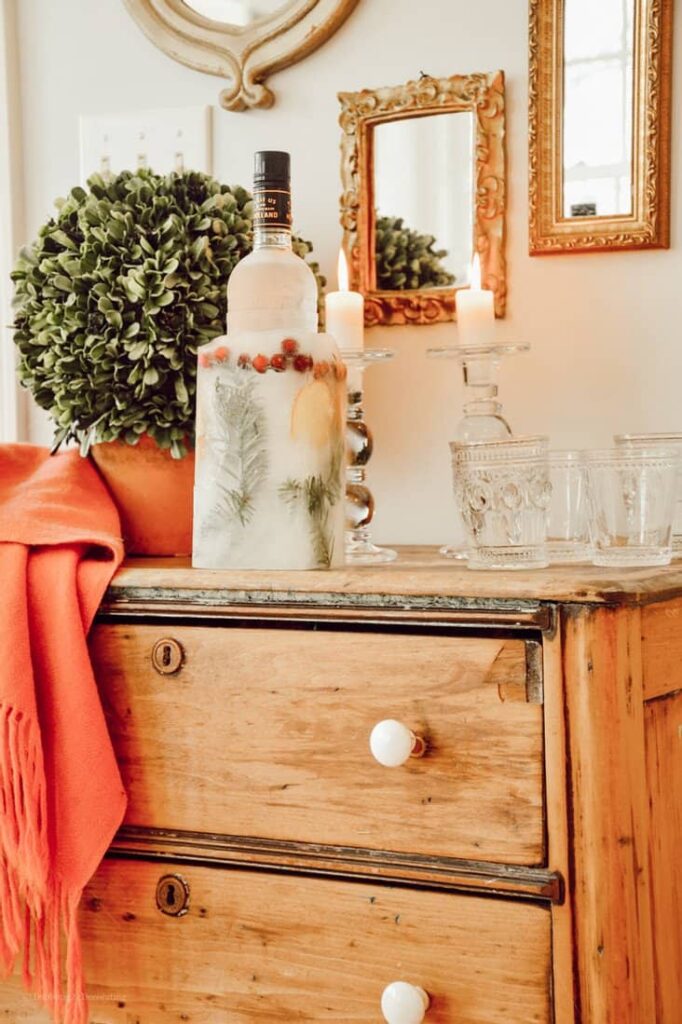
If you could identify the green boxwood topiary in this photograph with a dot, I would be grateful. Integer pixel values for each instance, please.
(117, 293)
(406, 259)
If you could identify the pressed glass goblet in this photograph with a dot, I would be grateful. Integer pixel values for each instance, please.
(503, 491)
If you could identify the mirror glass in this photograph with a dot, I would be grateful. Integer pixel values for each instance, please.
(424, 201)
(236, 12)
(598, 106)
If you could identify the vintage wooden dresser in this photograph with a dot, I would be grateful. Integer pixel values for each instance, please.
(525, 869)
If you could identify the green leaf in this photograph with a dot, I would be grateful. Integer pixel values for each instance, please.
(138, 350)
(151, 376)
(61, 236)
(181, 392)
(114, 318)
(116, 230)
(199, 246)
(209, 310)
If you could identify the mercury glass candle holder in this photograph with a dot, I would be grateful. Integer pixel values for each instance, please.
(482, 419)
(360, 550)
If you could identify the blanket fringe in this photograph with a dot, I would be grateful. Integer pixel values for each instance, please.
(35, 910)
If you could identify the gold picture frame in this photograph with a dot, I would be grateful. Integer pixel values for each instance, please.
(483, 95)
(246, 55)
(648, 225)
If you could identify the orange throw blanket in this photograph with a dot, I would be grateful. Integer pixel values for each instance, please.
(61, 796)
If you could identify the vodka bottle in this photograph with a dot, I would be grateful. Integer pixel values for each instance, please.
(270, 452)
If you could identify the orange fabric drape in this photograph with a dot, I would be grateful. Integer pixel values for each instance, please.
(61, 795)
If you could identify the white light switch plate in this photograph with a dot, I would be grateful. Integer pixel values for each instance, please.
(163, 140)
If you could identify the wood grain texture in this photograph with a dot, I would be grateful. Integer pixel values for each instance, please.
(662, 648)
(265, 733)
(419, 573)
(663, 723)
(558, 830)
(258, 947)
(609, 881)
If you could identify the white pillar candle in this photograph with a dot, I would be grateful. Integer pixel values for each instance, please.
(345, 313)
(475, 311)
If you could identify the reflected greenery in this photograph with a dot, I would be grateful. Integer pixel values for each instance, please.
(406, 259)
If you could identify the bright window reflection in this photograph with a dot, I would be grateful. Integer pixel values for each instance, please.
(423, 174)
(598, 76)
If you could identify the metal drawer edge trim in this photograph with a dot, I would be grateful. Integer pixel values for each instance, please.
(130, 601)
(341, 861)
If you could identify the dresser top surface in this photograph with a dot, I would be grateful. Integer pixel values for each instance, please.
(419, 573)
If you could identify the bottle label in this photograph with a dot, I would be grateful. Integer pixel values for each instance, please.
(272, 208)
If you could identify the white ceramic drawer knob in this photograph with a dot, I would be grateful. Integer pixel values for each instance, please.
(402, 1003)
(392, 743)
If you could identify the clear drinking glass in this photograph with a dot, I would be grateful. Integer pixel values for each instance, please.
(568, 531)
(503, 492)
(632, 494)
(669, 440)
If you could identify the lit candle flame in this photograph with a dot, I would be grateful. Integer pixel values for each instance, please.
(475, 284)
(342, 272)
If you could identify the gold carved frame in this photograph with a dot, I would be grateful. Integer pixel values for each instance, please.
(245, 56)
(483, 94)
(648, 226)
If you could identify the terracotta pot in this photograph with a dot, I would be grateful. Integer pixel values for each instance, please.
(153, 494)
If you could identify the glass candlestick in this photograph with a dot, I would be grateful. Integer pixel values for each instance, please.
(359, 500)
(482, 419)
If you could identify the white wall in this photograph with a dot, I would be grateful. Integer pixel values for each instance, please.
(13, 405)
(605, 328)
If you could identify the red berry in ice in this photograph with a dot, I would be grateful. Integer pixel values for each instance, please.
(260, 363)
(244, 361)
(302, 363)
(278, 362)
(289, 347)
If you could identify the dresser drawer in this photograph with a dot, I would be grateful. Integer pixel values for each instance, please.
(266, 947)
(264, 733)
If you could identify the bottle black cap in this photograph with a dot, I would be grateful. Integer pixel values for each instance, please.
(271, 168)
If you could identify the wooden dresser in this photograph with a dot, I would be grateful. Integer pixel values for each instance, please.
(524, 869)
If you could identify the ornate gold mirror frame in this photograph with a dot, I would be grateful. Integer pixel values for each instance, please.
(648, 224)
(247, 55)
(481, 94)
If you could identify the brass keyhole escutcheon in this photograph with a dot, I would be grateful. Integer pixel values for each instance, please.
(172, 895)
(167, 656)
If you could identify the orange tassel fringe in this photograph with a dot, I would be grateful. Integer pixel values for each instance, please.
(35, 911)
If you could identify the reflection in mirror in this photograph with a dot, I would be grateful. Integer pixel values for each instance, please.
(236, 12)
(423, 188)
(423, 200)
(597, 143)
